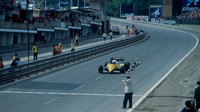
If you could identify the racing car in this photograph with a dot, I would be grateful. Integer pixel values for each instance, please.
(116, 64)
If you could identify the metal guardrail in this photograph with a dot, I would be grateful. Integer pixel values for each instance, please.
(23, 70)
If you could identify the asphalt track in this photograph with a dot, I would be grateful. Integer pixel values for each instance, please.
(80, 88)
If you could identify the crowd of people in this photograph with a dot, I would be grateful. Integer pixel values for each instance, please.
(133, 29)
(52, 20)
(193, 105)
(192, 17)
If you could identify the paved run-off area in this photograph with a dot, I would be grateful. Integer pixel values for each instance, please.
(171, 94)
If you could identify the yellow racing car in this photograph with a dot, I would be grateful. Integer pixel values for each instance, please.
(116, 64)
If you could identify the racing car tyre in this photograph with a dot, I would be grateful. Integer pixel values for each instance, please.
(123, 70)
(127, 66)
(101, 69)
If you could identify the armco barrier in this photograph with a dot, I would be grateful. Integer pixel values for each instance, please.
(13, 73)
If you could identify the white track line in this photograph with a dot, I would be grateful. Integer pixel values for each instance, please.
(56, 93)
(162, 79)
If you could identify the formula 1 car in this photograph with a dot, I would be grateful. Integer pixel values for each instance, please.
(115, 64)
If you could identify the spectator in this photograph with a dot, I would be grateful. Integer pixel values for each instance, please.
(73, 45)
(133, 31)
(128, 91)
(1, 63)
(126, 26)
(77, 39)
(15, 56)
(197, 94)
(128, 32)
(191, 17)
(43, 37)
(104, 36)
(54, 50)
(35, 52)
(189, 107)
(15, 62)
(59, 50)
(111, 34)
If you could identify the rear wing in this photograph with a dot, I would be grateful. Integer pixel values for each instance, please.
(117, 58)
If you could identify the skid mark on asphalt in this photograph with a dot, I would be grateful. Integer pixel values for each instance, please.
(64, 94)
(79, 87)
(99, 77)
(50, 101)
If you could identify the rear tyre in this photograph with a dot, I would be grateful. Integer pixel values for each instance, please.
(101, 69)
(123, 70)
(127, 66)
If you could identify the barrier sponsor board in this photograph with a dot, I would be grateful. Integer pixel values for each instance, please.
(142, 18)
(163, 21)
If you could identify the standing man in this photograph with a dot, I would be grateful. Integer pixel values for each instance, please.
(128, 32)
(197, 94)
(15, 56)
(104, 36)
(126, 26)
(77, 39)
(73, 45)
(128, 91)
(35, 52)
(111, 34)
(59, 49)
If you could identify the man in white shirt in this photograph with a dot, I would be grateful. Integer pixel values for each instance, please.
(128, 91)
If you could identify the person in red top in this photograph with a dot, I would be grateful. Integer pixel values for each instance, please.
(133, 30)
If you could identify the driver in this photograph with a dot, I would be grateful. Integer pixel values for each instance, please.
(114, 62)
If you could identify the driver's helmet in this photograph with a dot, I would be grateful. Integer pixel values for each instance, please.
(114, 61)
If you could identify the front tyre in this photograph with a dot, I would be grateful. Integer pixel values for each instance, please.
(101, 69)
(123, 70)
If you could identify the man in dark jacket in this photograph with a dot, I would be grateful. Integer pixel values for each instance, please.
(189, 106)
(197, 94)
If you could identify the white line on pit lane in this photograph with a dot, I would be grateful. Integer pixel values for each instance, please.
(56, 93)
